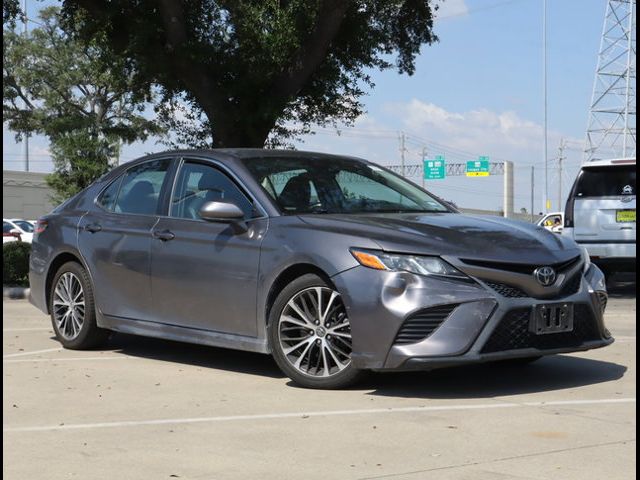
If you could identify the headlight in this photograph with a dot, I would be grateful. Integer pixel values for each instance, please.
(409, 263)
(585, 258)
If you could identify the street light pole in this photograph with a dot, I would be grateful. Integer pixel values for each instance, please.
(546, 109)
(25, 137)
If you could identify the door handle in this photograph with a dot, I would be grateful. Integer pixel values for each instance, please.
(93, 227)
(164, 235)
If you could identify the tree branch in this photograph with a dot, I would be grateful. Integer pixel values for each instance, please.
(314, 51)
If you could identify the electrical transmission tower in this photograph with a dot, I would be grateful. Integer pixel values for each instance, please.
(612, 117)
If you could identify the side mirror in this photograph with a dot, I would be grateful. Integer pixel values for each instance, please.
(220, 212)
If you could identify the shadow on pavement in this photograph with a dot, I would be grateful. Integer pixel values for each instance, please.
(557, 372)
(552, 373)
(196, 355)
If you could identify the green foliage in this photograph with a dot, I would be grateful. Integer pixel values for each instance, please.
(241, 72)
(10, 12)
(15, 264)
(79, 95)
(79, 158)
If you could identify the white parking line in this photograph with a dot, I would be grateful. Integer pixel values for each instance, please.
(331, 413)
(624, 339)
(73, 359)
(35, 352)
(35, 329)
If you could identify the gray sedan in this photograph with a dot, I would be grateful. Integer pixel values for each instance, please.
(333, 265)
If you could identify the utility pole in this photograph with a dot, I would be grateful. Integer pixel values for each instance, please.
(507, 205)
(25, 137)
(561, 158)
(403, 149)
(424, 158)
(546, 109)
(533, 186)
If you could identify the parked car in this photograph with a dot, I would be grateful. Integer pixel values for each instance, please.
(333, 265)
(24, 227)
(10, 233)
(601, 213)
(552, 221)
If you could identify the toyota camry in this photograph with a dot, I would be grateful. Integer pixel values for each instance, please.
(333, 265)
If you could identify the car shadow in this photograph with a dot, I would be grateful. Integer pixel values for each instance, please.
(248, 363)
(558, 372)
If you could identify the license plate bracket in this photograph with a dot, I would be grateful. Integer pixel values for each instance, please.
(552, 318)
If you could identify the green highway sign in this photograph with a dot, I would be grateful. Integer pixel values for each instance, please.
(478, 168)
(434, 169)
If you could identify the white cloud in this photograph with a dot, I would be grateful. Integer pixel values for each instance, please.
(480, 131)
(452, 8)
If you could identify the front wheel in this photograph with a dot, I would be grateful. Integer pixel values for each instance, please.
(310, 335)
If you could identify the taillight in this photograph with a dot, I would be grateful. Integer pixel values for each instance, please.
(41, 226)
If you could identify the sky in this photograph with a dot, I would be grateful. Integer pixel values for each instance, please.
(477, 92)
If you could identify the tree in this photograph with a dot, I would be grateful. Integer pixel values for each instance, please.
(83, 99)
(237, 73)
(10, 12)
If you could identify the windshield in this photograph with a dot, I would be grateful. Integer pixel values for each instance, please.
(323, 185)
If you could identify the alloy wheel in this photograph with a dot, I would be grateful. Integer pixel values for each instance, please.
(315, 334)
(68, 306)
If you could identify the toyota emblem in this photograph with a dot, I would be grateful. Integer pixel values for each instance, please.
(546, 276)
(627, 190)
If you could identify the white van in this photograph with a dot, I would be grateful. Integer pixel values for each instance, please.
(601, 213)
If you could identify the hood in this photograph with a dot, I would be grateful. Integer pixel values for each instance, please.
(453, 234)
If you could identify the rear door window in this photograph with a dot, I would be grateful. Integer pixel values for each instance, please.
(140, 189)
(606, 182)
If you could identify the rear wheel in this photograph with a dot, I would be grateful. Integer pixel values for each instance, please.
(73, 310)
(310, 335)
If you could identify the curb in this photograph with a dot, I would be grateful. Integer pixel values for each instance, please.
(15, 293)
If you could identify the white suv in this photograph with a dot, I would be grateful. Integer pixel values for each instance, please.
(601, 213)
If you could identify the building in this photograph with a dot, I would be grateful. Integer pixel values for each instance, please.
(25, 195)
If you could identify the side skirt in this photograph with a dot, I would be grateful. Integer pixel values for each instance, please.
(183, 334)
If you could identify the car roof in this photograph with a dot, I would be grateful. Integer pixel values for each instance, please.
(234, 154)
(614, 162)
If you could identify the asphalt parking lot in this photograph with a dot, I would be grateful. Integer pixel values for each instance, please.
(151, 409)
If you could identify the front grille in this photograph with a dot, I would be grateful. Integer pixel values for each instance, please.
(523, 268)
(507, 290)
(512, 333)
(422, 324)
(572, 286)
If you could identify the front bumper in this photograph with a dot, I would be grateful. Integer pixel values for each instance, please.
(483, 325)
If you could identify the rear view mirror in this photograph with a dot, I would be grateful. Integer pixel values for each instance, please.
(220, 212)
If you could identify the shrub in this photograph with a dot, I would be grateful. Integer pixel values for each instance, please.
(15, 264)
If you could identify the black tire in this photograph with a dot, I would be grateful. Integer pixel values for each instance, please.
(89, 335)
(345, 378)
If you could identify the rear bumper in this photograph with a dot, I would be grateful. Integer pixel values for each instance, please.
(621, 250)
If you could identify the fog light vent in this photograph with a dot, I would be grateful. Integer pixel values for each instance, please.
(422, 324)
